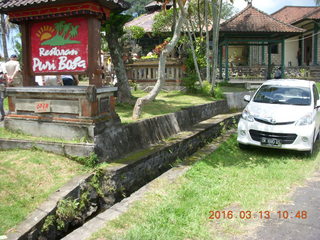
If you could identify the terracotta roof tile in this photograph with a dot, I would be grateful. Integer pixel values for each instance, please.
(145, 21)
(253, 20)
(293, 14)
(9, 5)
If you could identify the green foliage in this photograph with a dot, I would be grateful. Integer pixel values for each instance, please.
(189, 81)
(115, 24)
(218, 92)
(137, 7)
(95, 182)
(49, 222)
(153, 56)
(135, 32)
(91, 161)
(67, 209)
(162, 22)
(206, 88)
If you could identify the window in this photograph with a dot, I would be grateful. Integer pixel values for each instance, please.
(274, 49)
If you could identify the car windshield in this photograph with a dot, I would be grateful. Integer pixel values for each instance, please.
(283, 95)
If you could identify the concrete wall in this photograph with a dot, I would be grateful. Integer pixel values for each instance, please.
(117, 141)
(235, 99)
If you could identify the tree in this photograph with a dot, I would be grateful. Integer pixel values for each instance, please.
(137, 7)
(183, 8)
(216, 8)
(4, 31)
(317, 2)
(113, 28)
(8, 34)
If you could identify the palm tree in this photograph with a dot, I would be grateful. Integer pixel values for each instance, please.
(66, 28)
(59, 26)
(73, 31)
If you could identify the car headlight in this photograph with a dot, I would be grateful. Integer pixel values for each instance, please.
(247, 116)
(305, 120)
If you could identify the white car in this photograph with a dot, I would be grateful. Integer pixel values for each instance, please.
(281, 114)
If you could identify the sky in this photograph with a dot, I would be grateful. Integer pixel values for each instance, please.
(270, 6)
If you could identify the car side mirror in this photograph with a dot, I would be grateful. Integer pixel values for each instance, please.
(318, 104)
(247, 98)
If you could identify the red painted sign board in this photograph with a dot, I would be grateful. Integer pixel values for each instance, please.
(60, 45)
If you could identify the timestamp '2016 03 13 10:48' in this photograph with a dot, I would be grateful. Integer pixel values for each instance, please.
(299, 214)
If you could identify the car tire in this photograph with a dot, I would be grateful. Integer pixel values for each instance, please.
(310, 152)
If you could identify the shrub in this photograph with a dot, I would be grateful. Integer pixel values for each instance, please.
(190, 82)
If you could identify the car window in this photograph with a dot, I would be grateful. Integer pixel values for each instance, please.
(283, 95)
(315, 94)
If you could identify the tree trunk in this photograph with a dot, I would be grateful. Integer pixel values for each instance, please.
(3, 37)
(162, 62)
(216, 10)
(174, 16)
(194, 54)
(124, 93)
(206, 7)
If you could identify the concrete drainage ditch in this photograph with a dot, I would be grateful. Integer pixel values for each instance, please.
(86, 196)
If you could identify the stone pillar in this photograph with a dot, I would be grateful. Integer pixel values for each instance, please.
(227, 63)
(269, 62)
(315, 45)
(282, 58)
(302, 52)
(263, 61)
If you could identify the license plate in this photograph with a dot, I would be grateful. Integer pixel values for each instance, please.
(270, 142)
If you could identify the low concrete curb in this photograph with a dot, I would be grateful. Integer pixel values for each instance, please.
(65, 149)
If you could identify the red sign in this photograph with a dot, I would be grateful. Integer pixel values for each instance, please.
(41, 107)
(60, 45)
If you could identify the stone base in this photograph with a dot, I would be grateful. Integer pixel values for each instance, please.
(61, 112)
(68, 131)
(62, 130)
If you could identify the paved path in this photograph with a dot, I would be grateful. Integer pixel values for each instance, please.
(305, 198)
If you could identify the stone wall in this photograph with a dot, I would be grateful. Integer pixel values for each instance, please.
(117, 141)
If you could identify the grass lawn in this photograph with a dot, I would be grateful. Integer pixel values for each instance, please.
(228, 179)
(166, 102)
(27, 178)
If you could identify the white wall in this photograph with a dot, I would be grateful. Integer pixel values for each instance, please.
(291, 49)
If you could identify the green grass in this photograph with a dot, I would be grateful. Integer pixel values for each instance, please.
(228, 179)
(166, 102)
(27, 178)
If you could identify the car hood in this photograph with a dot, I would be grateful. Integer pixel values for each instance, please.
(278, 112)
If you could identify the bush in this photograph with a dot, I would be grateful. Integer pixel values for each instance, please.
(218, 93)
(190, 82)
(206, 88)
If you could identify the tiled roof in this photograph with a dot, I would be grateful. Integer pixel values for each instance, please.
(293, 14)
(253, 20)
(145, 21)
(9, 5)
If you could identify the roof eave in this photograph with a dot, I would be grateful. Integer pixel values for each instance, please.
(119, 6)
